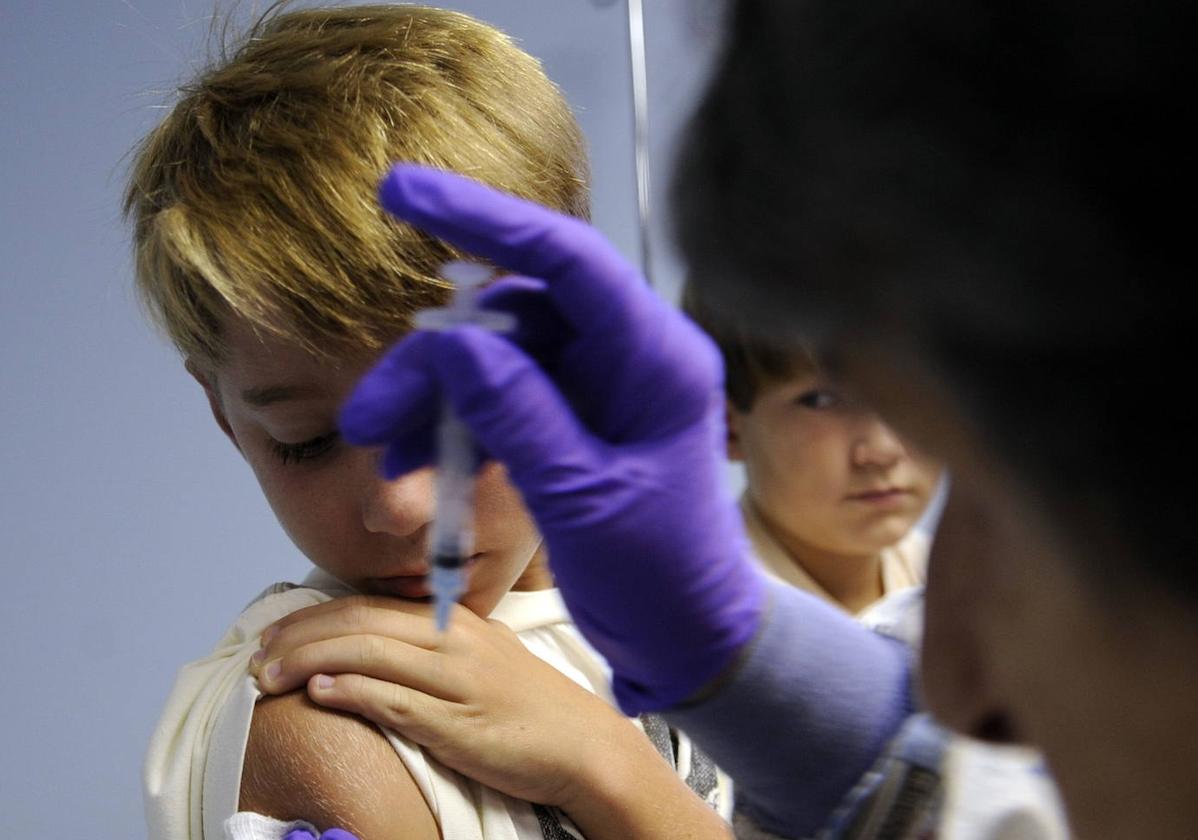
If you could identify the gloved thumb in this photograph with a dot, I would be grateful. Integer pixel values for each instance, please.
(515, 411)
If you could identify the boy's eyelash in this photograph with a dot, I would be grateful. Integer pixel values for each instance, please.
(306, 450)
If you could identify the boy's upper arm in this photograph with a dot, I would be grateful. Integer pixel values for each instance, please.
(331, 769)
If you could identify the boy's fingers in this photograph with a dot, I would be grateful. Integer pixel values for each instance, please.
(357, 607)
(354, 617)
(594, 287)
(406, 710)
(379, 657)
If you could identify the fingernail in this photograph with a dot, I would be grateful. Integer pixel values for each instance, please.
(269, 634)
(273, 670)
(258, 657)
(323, 682)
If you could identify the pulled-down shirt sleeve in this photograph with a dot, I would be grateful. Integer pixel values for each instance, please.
(818, 727)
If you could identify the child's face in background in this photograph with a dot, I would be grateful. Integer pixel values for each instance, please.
(279, 407)
(826, 474)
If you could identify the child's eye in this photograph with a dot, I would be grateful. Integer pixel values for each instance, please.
(306, 450)
(819, 399)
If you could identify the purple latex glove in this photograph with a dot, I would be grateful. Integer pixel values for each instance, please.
(331, 834)
(606, 408)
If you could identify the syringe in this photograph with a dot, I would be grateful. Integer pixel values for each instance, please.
(451, 543)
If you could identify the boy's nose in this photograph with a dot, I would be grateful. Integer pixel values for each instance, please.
(876, 444)
(400, 507)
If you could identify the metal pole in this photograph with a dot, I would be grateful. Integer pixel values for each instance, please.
(640, 123)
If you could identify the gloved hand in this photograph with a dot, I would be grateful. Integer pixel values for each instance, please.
(607, 409)
(331, 834)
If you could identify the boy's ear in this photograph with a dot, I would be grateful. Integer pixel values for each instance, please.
(732, 419)
(208, 383)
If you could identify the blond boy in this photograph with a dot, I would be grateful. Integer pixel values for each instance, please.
(262, 251)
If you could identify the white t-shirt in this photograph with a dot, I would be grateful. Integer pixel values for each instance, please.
(904, 564)
(193, 768)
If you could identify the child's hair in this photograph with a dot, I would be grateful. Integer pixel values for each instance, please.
(752, 361)
(256, 195)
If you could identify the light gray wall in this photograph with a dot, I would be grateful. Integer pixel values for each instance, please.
(130, 531)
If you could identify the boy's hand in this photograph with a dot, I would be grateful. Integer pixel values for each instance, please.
(607, 409)
(480, 703)
(475, 697)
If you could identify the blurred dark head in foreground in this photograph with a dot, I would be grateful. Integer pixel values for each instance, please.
(979, 213)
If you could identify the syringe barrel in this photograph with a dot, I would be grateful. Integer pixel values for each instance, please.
(452, 538)
(453, 526)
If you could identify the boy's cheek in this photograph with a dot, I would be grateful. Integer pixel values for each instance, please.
(499, 511)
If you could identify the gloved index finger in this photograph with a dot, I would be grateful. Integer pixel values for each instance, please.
(593, 286)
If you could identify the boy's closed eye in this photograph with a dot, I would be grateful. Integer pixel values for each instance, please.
(306, 450)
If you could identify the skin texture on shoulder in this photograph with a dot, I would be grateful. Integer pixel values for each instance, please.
(364, 788)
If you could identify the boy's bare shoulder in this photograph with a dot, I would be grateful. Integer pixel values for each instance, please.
(332, 769)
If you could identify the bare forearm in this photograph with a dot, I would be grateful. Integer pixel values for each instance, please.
(628, 791)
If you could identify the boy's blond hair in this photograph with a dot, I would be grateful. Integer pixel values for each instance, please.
(255, 197)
